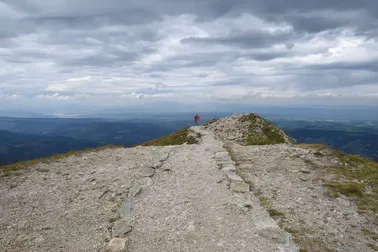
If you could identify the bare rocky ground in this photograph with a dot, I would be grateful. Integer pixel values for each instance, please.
(69, 205)
(288, 177)
(181, 198)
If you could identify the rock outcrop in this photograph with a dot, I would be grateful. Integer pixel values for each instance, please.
(235, 184)
(247, 129)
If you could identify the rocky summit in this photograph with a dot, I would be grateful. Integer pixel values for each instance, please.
(233, 184)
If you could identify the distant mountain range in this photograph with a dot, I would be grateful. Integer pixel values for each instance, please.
(29, 138)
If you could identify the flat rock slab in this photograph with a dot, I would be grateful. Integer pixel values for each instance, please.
(148, 172)
(229, 168)
(134, 190)
(239, 187)
(121, 228)
(145, 182)
(118, 245)
(233, 177)
(125, 210)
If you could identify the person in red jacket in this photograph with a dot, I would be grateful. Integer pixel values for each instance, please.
(196, 118)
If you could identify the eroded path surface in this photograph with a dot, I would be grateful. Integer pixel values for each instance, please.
(176, 198)
(70, 204)
(193, 206)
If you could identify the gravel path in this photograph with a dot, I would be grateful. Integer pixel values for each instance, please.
(192, 207)
(176, 198)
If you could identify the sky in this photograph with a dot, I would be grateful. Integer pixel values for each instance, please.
(113, 53)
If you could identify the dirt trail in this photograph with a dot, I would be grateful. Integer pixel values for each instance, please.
(176, 198)
(190, 207)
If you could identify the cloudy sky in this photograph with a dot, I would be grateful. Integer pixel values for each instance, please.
(117, 52)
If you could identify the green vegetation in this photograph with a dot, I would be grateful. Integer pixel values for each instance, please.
(177, 138)
(260, 132)
(357, 177)
(7, 170)
(373, 247)
(371, 234)
(114, 219)
(264, 202)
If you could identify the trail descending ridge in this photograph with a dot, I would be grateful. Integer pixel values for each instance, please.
(154, 198)
(190, 206)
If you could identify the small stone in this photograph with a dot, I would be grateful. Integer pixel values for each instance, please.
(239, 187)
(102, 194)
(145, 182)
(221, 154)
(229, 168)
(125, 210)
(166, 169)
(118, 245)
(121, 228)
(156, 165)
(234, 177)
(148, 172)
(305, 179)
(304, 170)
(220, 180)
(134, 191)
(248, 204)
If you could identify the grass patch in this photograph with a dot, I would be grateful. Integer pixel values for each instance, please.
(347, 188)
(356, 177)
(43, 170)
(5, 169)
(260, 132)
(373, 247)
(177, 138)
(113, 219)
(264, 202)
(275, 213)
(371, 234)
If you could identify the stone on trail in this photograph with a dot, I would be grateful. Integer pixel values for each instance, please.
(145, 182)
(134, 191)
(229, 168)
(239, 187)
(117, 245)
(121, 228)
(148, 172)
(233, 177)
(125, 210)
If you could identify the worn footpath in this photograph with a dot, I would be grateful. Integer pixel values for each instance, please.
(175, 198)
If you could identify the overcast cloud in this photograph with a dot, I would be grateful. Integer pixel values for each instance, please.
(114, 52)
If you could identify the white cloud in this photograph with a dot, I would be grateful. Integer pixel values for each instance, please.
(110, 52)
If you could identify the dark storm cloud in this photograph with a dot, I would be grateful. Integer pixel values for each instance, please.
(246, 39)
(228, 46)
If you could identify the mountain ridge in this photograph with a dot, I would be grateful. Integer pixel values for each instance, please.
(255, 190)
